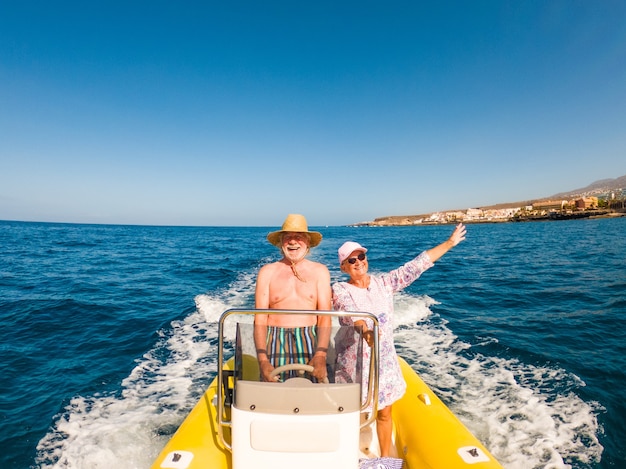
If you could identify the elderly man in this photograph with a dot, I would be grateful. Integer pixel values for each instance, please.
(293, 283)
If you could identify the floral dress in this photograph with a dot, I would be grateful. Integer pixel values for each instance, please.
(378, 300)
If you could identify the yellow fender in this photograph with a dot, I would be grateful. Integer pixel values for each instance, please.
(429, 435)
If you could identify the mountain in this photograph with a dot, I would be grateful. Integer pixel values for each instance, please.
(598, 187)
(603, 185)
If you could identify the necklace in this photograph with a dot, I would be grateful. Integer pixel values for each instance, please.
(293, 264)
(295, 272)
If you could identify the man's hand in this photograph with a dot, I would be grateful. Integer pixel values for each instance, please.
(266, 369)
(318, 362)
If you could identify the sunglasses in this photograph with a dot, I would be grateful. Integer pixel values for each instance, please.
(352, 260)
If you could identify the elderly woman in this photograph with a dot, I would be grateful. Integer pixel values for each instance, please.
(374, 294)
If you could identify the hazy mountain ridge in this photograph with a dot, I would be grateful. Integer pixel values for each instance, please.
(601, 185)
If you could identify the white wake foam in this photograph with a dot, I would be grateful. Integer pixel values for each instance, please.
(507, 404)
(129, 429)
(510, 406)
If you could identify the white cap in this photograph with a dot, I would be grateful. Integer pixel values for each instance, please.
(348, 248)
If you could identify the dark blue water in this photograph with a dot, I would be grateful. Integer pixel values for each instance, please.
(108, 334)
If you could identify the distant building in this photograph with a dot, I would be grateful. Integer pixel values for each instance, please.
(586, 203)
(549, 205)
(474, 212)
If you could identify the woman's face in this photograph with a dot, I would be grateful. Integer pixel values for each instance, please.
(356, 264)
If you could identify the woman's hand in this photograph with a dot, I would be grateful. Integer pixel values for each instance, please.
(368, 335)
(458, 234)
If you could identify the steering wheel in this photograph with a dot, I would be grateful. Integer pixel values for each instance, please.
(301, 367)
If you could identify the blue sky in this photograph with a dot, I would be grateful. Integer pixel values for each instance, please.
(238, 113)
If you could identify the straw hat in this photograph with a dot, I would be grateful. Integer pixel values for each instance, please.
(294, 223)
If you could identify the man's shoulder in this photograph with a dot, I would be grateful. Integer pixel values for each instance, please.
(272, 265)
(318, 266)
(268, 268)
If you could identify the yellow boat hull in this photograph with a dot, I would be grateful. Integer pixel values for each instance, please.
(427, 434)
(195, 443)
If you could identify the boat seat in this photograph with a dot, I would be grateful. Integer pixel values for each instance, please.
(300, 423)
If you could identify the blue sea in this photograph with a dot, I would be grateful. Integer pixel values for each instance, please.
(109, 333)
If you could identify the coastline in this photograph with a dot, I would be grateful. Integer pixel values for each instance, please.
(431, 219)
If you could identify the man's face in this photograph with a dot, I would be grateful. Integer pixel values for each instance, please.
(295, 246)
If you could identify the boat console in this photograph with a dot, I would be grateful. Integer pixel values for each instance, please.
(294, 421)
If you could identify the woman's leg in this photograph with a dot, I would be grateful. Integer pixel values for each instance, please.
(384, 427)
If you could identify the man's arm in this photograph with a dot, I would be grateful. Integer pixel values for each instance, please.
(262, 289)
(324, 302)
(324, 292)
(261, 301)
